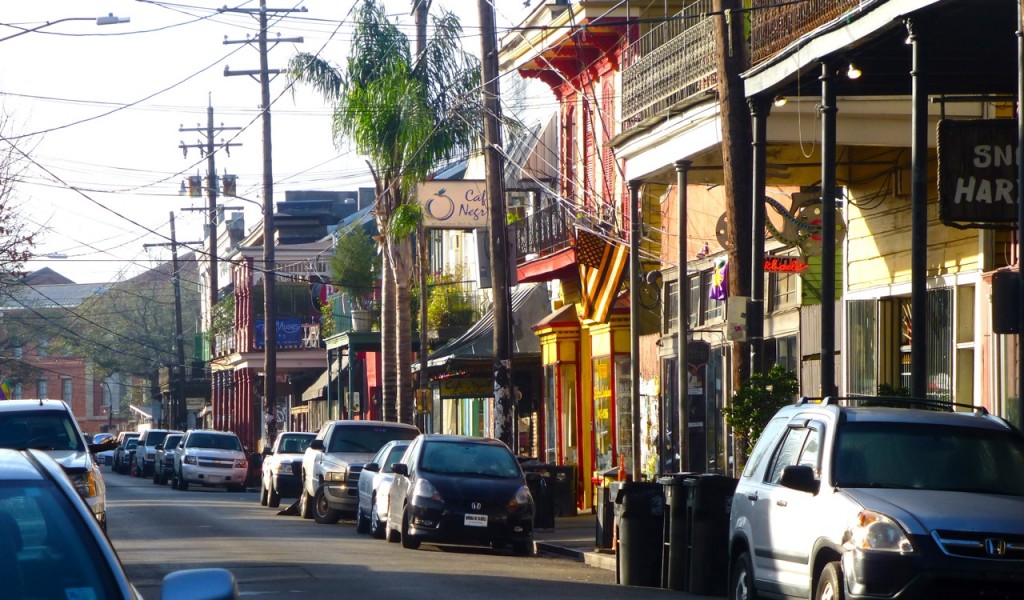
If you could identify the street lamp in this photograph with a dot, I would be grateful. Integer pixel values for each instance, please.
(110, 19)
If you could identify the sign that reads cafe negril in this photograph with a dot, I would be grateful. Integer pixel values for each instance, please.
(978, 172)
(453, 204)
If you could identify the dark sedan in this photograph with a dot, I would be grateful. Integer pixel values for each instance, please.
(460, 490)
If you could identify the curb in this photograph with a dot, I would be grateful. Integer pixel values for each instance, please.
(593, 559)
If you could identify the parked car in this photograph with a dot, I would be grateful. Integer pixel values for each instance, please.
(163, 466)
(105, 457)
(50, 426)
(120, 453)
(880, 498)
(210, 458)
(331, 465)
(145, 453)
(127, 455)
(458, 489)
(281, 471)
(50, 546)
(374, 484)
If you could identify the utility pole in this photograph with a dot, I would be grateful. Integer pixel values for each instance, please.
(208, 150)
(269, 289)
(178, 411)
(420, 9)
(503, 407)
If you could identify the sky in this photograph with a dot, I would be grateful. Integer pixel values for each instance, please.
(96, 111)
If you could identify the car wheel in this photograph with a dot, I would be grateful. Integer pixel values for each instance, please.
(408, 540)
(522, 547)
(830, 585)
(741, 584)
(390, 533)
(273, 497)
(263, 494)
(362, 522)
(174, 480)
(325, 515)
(182, 484)
(305, 505)
(376, 527)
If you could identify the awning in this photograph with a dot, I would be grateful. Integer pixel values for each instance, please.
(530, 304)
(319, 387)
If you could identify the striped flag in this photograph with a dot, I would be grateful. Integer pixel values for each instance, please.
(602, 265)
(5, 388)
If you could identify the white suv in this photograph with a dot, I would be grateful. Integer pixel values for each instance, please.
(49, 425)
(210, 458)
(880, 498)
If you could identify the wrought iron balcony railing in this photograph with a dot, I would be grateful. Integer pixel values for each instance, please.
(775, 25)
(672, 64)
(544, 232)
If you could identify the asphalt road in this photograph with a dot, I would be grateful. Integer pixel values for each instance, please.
(157, 530)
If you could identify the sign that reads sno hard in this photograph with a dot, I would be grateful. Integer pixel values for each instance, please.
(453, 204)
(978, 172)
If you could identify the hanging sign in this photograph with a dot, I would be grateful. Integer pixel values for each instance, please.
(453, 204)
(978, 172)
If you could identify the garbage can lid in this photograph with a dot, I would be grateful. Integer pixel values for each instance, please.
(676, 478)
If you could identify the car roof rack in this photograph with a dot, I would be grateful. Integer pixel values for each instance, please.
(891, 402)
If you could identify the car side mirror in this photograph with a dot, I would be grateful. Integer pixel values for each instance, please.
(400, 469)
(213, 583)
(316, 445)
(158, 447)
(267, 450)
(800, 478)
(374, 467)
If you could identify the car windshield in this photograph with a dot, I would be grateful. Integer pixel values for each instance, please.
(367, 439)
(920, 456)
(295, 444)
(46, 550)
(469, 458)
(132, 444)
(155, 437)
(171, 441)
(210, 440)
(45, 430)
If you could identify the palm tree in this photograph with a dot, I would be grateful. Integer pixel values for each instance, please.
(404, 116)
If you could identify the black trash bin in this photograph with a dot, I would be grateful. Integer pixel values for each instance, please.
(708, 502)
(639, 518)
(605, 504)
(563, 488)
(538, 479)
(673, 556)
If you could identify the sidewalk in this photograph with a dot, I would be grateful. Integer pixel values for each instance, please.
(575, 537)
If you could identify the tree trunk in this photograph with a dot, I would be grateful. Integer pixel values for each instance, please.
(403, 348)
(388, 337)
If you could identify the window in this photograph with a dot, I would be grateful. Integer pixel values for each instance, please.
(603, 414)
(800, 446)
(781, 291)
(41, 388)
(714, 310)
(695, 304)
(782, 351)
(671, 306)
(65, 389)
(41, 348)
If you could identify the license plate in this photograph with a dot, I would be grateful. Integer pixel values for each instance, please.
(476, 521)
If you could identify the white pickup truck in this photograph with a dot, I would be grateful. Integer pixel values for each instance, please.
(333, 461)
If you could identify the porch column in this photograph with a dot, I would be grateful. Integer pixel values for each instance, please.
(682, 362)
(1020, 208)
(635, 216)
(759, 108)
(918, 216)
(828, 229)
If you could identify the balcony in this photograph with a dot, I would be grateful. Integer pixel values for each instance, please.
(670, 66)
(544, 232)
(774, 26)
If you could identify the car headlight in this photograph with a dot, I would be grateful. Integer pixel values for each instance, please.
(425, 489)
(521, 499)
(85, 483)
(239, 463)
(336, 475)
(875, 531)
(188, 460)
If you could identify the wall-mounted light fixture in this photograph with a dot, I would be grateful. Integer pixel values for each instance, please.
(853, 72)
(780, 101)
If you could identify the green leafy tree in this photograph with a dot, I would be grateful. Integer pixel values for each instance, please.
(17, 239)
(404, 115)
(355, 266)
(757, 401)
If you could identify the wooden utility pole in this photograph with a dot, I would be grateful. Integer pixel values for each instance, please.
(420, 9)
(269, 289)
(178, 410)
(503, 408)
(207, 149)
(737, 156)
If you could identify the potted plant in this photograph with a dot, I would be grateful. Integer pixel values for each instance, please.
(354, 268)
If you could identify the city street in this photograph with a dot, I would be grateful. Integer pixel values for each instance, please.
(156, 530)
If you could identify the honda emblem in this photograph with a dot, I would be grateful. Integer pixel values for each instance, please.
(995, 547)
(478, 506)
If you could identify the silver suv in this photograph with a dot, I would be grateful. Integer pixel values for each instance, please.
(880, 498)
